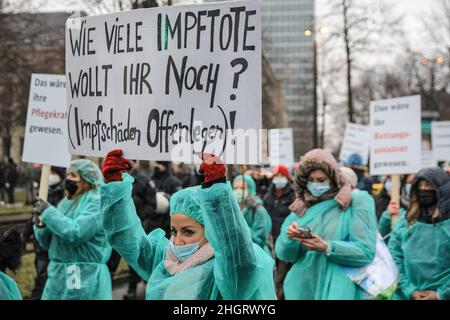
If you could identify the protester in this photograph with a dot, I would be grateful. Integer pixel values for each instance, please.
(277, 201)
(210, 254)
(383, 197)
(420, 245)
(164, 179)
(184, 174)
(144, 198)
(55, 195)
(396, 211)
(342, 232)
(355, 161)
(74, 237)
(2, 184)
(11, 177)
(10, 254)
(56, 181)
(252, 208)
(262, 177)
(350, 175)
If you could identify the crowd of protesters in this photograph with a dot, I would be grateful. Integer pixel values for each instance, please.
(286, 232)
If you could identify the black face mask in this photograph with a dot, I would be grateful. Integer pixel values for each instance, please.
(71, 187)
(427, 198)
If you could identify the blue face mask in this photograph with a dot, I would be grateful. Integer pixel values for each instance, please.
(388, 186)
(239, 195)
(318, 188)
(184, 251)
(408, 189)
(280, 183)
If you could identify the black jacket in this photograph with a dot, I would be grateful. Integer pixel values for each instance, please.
(144, 195)
(278, 208)
(165, 182)
(144, 198)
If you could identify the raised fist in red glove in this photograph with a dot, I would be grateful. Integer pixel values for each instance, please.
(114, 165)
(212, 167)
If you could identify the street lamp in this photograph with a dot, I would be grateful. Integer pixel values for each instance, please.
(440, 60)
(432, 62)
(309, 33)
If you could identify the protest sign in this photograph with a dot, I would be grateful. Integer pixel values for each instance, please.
(45, 139)
(165, 83)
(356, 141)
(281, 146)
(428, 159)
(440, 140)
(395, 136)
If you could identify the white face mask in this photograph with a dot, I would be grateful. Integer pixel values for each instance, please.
(318, 188)
(239, 194)
(280, 183)
(53, 179)
(184, 251)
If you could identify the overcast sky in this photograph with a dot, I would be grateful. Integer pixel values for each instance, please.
(410, 9)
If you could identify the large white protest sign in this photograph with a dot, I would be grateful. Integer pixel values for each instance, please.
(281, 146)
(46, 127)
(440, 139)
(395, 136)
(167, 82)
(356, 141)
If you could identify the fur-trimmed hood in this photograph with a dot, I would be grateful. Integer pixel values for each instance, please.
(323, 160)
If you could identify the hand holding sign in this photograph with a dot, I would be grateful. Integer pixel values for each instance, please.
(113, 166)
(212, 167)
(393, 208)
(46, 128)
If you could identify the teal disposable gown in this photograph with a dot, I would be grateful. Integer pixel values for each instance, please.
(8, 288)
(260, 224)
(351, 235)
(422, 254)
(257, 217)
(384, 224)
(239, 269)
(77, 248)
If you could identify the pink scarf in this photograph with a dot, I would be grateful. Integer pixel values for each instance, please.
(175, 266)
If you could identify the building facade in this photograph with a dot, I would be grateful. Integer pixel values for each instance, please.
(291, 55)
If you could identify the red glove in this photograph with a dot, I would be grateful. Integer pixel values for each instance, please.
(212, 167)
(114, 165)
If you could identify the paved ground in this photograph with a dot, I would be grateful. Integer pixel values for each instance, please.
(120, 290)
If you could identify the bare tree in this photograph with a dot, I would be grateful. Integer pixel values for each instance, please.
(437, 27)
(15, 71)
(109, 6)
(357, 28)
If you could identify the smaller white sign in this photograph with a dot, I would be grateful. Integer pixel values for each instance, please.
(428, 160)
(440, 139)
(281, 146)
(356, 141)
(46, 128)
(395, 128)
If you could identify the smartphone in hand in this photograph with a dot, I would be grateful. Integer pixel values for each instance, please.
(305, 231)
